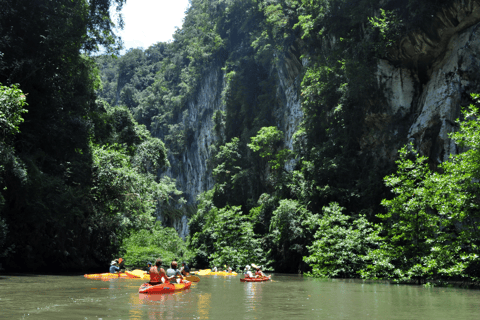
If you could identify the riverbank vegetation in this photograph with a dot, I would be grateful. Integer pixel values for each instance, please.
(78, 176)
(85, 174)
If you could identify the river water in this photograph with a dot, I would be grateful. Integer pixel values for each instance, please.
(217, 297)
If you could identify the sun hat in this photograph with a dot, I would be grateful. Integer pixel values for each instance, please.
(255, 266)
(113, 262)
(247, 267)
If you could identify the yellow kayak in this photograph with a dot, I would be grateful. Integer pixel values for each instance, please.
(224, 273)
(203, 272)
(137, 273)
(208, 272)
(106, 276)
(140, 274)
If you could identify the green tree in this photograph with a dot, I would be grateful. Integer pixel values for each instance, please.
(267, 142)
(235, 243)
(340, 243)
(224, 236)
(79, 176)
(12, 105)
(231, 175)
(290, 237)
(430, 230)
(146, 245)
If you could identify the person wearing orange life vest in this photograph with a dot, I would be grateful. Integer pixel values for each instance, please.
(258, 272)
(157, 273)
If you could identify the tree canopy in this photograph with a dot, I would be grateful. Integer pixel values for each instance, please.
(77, 175)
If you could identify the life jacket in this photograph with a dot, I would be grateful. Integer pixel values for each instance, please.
(156, 275)
(258, 273)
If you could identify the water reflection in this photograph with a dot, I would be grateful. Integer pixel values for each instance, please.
(204, 301)
(135, 311)
(154, 299)
(253, 294)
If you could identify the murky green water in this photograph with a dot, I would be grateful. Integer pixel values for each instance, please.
(216, 297)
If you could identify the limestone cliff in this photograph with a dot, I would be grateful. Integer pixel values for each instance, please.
(195, 176)
(427, 79)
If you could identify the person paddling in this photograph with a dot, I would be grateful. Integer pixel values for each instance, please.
(149, 265)
(248, 273)
(113, 267)
(185, 270)
(121, 263)
(157, 273)
(258, 272)
(172, 272)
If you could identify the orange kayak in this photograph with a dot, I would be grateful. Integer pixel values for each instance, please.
(255, 279)
(164, 287)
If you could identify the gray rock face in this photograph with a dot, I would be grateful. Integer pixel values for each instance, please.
(424, 46)
(289, 114)
(195, 177)
(400, 84)
(452, 67)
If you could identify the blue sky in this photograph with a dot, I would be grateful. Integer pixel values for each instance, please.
(150, 21)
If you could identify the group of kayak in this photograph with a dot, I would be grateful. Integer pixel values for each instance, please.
(173, 279)
(160, 281)
(249, 275)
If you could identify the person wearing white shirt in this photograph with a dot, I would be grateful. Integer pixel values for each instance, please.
(248, 273)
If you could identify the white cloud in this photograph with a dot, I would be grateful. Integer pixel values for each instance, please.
(150, 21)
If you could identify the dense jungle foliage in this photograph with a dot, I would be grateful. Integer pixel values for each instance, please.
(334, 214)
(79, 177)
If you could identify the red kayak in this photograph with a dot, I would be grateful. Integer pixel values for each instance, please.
(164, 287)
(255, 279)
